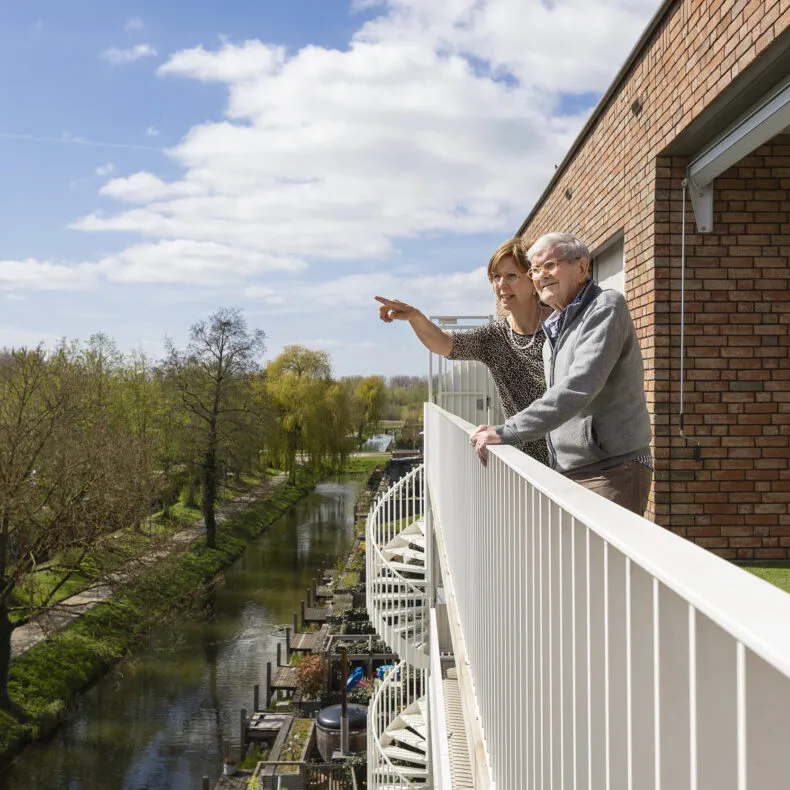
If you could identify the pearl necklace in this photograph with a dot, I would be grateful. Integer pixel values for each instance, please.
(512, 336)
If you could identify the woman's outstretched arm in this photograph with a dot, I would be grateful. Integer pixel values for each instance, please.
(428, 333)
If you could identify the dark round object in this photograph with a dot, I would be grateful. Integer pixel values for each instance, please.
(357, 717)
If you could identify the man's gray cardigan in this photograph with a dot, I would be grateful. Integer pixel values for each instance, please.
(594, 412)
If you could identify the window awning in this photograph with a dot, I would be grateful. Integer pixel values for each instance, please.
(767, 118)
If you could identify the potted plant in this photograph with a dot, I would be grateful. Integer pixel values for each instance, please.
(310, 682)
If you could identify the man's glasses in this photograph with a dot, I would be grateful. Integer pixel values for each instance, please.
(547, 267)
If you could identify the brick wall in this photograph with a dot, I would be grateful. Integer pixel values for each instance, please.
(617, 183)
(737, 403)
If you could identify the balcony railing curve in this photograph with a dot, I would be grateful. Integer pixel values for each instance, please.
(398, 731)
(396, 573)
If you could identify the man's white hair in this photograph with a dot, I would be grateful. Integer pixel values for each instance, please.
(568, 246)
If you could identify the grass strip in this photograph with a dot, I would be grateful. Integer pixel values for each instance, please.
(777, 574)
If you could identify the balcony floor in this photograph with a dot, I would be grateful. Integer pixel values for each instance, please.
(460, 767)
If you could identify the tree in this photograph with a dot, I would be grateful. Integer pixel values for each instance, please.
(370, 397)
(312, 414)
(63, 475)
(211, 376)
(139, 409)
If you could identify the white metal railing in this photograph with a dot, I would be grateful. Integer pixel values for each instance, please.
(402, 689)
(397, 602)
(463, 387)
(596, 649)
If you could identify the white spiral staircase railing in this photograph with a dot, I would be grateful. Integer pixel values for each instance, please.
(398, 754)
(396, 574)
(398, 744)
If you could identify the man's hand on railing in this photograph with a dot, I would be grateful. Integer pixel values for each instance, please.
(481, 438)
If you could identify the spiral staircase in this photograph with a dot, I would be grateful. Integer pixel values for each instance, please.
(397, 602)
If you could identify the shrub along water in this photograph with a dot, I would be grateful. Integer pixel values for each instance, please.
(45, 680)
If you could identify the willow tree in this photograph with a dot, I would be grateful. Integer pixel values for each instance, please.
(312, 413)
(212, 376)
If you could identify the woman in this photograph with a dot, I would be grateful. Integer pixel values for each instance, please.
(594, 411)
(510, 348)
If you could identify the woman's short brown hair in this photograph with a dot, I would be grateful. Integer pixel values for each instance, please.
(515, 248)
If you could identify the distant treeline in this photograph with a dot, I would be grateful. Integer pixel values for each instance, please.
(405, 397)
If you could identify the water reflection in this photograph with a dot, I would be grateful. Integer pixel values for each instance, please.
(158, 721)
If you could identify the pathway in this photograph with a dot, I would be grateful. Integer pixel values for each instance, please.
(37, 629)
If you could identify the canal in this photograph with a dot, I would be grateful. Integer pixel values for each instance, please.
(158, 720)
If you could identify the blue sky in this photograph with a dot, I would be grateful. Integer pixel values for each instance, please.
(291, 159)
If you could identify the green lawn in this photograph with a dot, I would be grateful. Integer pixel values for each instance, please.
(365, 463)
(777, 574)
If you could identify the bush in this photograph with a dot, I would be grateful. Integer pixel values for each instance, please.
(360, 695)
(310, 676)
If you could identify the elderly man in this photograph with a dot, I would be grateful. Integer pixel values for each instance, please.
(594, 412)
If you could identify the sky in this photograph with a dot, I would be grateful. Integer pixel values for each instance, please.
(161, 159)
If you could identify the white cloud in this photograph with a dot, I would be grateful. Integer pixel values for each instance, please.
(572, 46)
(105, 170)
(250, 60)
(452, 292)
(147, 188)
(152, 131)
(118, 57)
(194, 262)
(33, 275)
(437, 119)
(259, 292)
(133, 25)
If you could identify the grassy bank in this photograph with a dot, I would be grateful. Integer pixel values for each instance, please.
(45, 680)
(120, 548)
(365, 464)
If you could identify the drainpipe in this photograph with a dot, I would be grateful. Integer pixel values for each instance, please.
(697, 448)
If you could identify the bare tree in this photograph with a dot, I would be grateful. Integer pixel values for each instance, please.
(212, 375)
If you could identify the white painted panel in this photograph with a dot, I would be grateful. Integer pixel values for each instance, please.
(609, 267)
